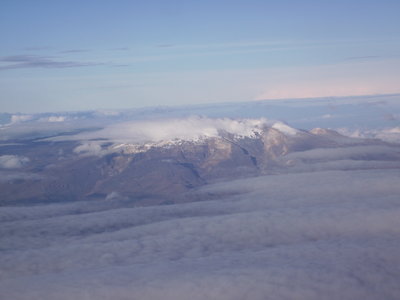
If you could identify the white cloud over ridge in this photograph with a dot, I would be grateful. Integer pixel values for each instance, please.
(322, 235)
(90, 148)
(190, 129)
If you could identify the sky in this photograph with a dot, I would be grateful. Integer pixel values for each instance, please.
(89, 55)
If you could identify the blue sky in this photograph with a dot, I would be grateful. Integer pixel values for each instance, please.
(78, 55)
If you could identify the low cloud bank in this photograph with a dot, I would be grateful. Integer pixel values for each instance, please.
(391, 135)
(322, 235)
(12, 161)
(20, 118)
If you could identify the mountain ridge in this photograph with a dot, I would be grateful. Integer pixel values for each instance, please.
(166, 170)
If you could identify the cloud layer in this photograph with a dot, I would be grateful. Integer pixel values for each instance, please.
(320, 235)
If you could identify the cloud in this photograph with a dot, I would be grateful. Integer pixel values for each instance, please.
(165, 45)
(391, 134)
(359, 152)
(12, 161)
(74, 51)
(35, 61)
(285, 128)
(20, 118)
(359, 157)
(37, 48)
(189, 129)
(121, 49)
(6, 176)
(53, 119)
(90, 148)
(108, 113)
(29, 127)
(319, 235)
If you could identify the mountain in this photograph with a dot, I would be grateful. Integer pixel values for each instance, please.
(168, 170)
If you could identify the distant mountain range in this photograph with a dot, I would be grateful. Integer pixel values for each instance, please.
(169, 170)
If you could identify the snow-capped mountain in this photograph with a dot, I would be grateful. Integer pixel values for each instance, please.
(152, 162)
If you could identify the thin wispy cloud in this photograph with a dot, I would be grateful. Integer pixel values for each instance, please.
(35, 61)
(279, 44)
(189, 51)
(120, 49)
(38, 48)
(165, 45)
(120, 65)
(74, 51)
(363, 57)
